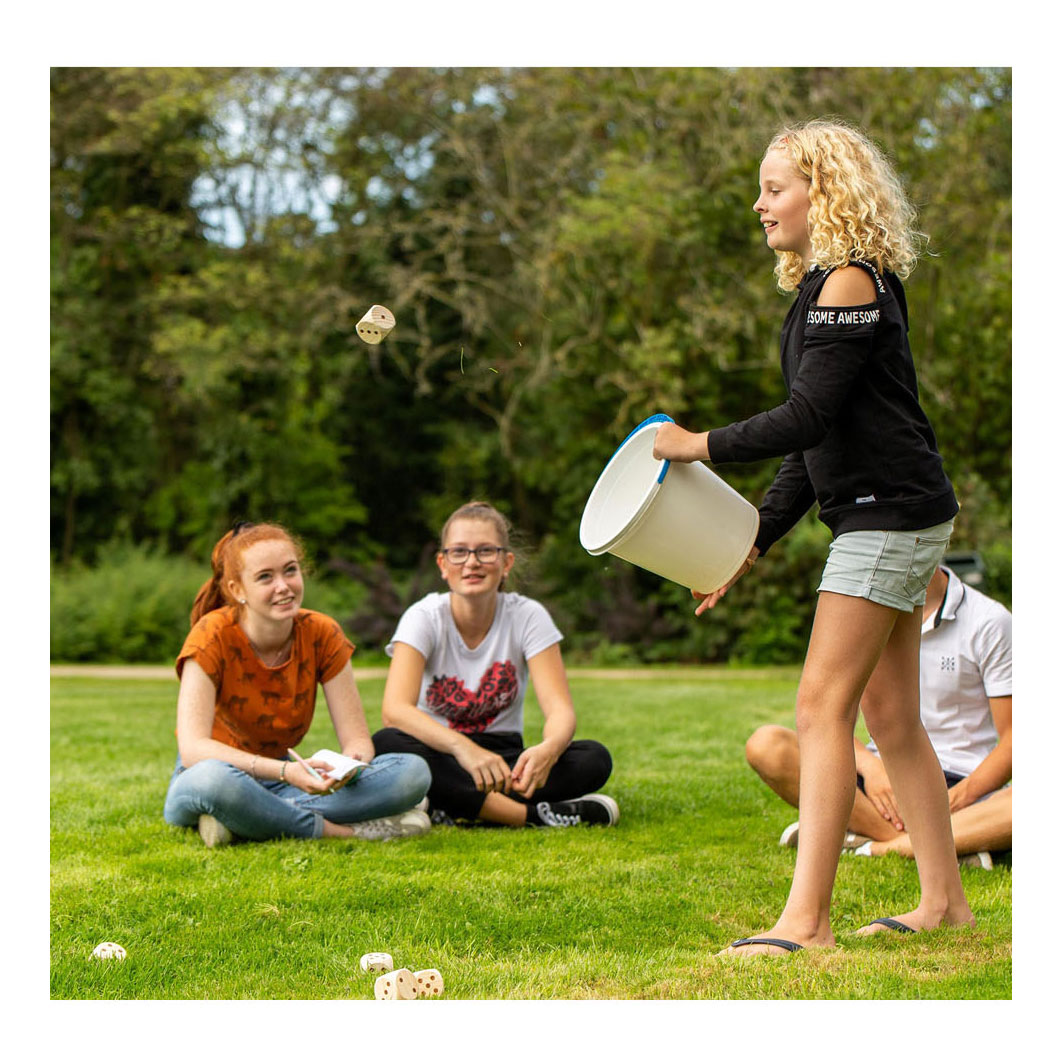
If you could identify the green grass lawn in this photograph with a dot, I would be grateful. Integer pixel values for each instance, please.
(630, 913)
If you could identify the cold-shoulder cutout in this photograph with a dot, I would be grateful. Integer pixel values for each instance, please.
(848, 286)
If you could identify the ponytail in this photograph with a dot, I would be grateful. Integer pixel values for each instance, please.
(212, 594)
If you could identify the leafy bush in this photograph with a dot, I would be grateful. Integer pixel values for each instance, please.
(131, 606)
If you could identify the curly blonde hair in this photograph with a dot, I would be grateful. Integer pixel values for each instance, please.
(859, 210)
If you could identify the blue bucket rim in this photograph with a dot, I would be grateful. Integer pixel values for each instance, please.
(656, 418)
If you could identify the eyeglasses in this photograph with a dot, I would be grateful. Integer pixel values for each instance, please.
(484, 554)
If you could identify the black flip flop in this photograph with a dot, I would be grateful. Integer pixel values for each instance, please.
(892, 923)
(777, 941)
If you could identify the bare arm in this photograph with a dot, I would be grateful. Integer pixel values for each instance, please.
(876, 784)
(551, 687)
(994, 770)
(847, 286)
(348, 715)
(195, 722)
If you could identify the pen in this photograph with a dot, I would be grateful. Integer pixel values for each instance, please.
(313, 771)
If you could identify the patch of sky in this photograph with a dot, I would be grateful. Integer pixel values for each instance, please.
(263, 167)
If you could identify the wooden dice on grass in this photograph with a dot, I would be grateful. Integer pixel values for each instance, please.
(377, 962)
(396, 984)
(401, 984)
(428, 984)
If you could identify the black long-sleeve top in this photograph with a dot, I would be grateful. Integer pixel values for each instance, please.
(853, 434)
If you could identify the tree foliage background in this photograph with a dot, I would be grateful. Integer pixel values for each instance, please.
(566, 251)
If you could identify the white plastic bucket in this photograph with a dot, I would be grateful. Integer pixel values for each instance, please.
(680, 521)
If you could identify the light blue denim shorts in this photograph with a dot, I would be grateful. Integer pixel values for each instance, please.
(892, 568)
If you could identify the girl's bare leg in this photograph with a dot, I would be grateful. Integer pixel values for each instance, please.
(847, 639)
(890, 708)
(503, 810)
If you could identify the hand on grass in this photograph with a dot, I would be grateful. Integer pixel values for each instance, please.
(713, 599)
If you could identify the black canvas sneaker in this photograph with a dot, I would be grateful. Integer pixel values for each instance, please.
(594, 809)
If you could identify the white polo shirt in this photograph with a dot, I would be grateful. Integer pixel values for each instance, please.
(965, 659)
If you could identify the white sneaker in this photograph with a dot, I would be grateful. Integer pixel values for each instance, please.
(406, 824)
(214, 833)
(791, 835)
(976, 859)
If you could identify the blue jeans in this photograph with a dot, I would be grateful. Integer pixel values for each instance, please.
(258, 810)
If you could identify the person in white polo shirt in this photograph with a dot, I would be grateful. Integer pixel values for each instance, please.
(965, 684)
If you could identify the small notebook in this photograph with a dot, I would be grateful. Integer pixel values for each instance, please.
(341, 768)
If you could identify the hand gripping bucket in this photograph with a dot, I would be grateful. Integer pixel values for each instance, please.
(680, 521)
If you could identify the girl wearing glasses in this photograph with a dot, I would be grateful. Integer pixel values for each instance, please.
(460, 662)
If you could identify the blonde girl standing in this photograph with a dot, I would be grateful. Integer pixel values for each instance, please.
(855, 440)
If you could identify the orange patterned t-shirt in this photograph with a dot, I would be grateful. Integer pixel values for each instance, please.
(260, 709)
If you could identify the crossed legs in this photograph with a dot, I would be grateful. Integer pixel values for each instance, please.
(984, 826)
(773, 753)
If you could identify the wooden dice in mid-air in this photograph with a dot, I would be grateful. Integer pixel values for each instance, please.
(396, 984)
(376, 324)
(428, 984)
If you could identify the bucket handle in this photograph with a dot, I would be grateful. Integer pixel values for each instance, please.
(656, 418)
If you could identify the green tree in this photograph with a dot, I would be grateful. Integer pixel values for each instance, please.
(566, 251)
(125, 153)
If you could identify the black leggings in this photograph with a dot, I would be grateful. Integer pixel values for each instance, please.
(583, 767)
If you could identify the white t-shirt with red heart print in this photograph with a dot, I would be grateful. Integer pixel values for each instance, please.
(481, 689)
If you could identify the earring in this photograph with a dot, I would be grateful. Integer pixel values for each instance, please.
(243, 601)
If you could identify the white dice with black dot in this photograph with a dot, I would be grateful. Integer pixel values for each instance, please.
(398, 984)
(377, 962)
(428, 984)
